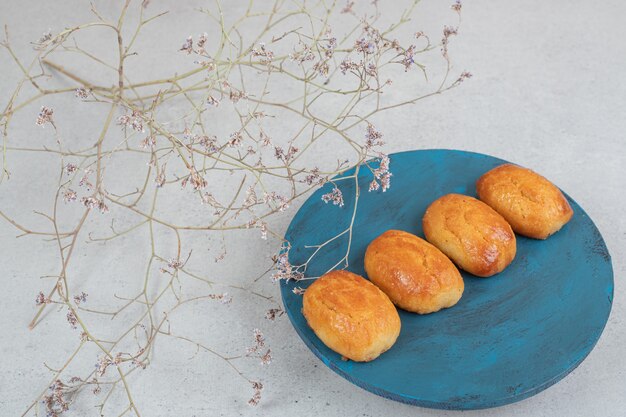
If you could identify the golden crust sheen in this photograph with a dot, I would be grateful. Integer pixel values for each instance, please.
(351, 315)
(530, 203)
(471, 233)
(415, 275)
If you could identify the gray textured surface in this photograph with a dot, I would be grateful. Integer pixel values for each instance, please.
(548, 92)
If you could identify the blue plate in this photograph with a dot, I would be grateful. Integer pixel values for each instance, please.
(509, 337)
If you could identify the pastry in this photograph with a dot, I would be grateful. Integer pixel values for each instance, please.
(472, 234)
(351, 315)
(533, 206)
(415, 275)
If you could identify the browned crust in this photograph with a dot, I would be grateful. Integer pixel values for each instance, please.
(351, 315)
(471, 233)
(530, 203)
(415, 275)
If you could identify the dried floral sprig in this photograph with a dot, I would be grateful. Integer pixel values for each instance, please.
(272, 167)
(45, 116)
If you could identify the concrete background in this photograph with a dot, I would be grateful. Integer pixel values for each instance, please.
(548, 92)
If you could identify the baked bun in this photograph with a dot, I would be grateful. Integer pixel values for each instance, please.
(530, 203)
(351, 315)
(415, 275)
(471, 233)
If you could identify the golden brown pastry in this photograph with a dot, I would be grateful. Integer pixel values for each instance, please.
(415, 275)
(471, 233)
(351, 315)
(530, 203)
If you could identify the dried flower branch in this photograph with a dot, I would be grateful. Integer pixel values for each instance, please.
(224, 77)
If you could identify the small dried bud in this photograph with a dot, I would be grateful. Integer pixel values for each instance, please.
(282, 202)
(188, 45)
(464, 76)
(298, 291)
(371, 70)
(81, 93)
(148, 142)
(70, 168)
(220, 257)
(235, 139)
(45, 116)
(330, 47)
(373, 137)
(303, 55)
(210, 66)
(266, 359)
(212, 101)
(265, 139)
(223, 298)
(335, 196)
(284, 269)
(382, 174)
(348, 7)
(137, 125)
(259, 342)
(385, 181)
(365, 46)
(80, 298)
(374, 186)
(45, 37)
(264, 55)
(348, 65)
(139, 364)
(314, 177)
(160, 178)
(175, 263)
(209, 143)
(197, 181)
(102, 365)
(201, 42)
(236, 95)
(449, 31)
(208, 198)
(263, 228)
(273, 313)
(85, 179)
(286, 157)
(251, 198)
(69, 195)
(41, 299)
(71, 318)
(123, 120)
(95, 203)
(408, 57)
(322, 68)
(258, 337)
(134, 120)
(258, 387)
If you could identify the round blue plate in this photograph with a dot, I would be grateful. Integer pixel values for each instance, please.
(509, 337)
